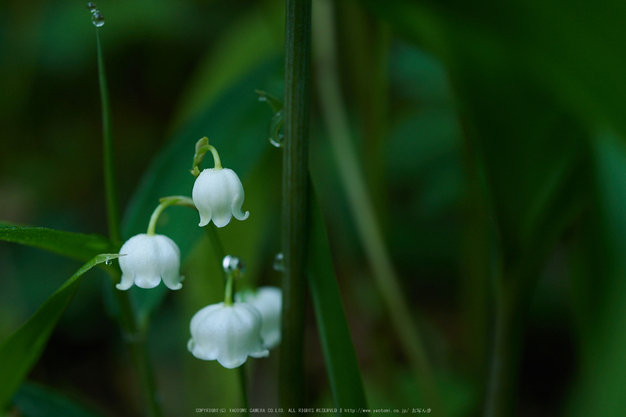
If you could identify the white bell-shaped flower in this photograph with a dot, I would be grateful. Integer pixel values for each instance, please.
(218, 195)
(268, 300)
(147, 260)
(227, 333)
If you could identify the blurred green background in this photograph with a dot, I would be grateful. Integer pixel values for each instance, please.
(491, 138)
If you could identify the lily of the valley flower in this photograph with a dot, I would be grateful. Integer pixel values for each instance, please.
(227, 333)
(268, 300)
(148, 260)
(218, 195)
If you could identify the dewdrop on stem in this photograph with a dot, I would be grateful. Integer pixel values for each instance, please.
(97, 18)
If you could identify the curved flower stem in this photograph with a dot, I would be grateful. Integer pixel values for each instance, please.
(216, 156)
(385, 276)
(164, 203)
(202, 147)
(295, 199)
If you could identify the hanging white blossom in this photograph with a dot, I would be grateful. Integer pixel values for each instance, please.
(147, 260)
(227, 333)
(218, 195)
(268, 300)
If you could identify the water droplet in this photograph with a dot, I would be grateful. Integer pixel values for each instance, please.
(277, 138)
(278, 142)
(97, 18)
(232, 263)
(108, 262)
(92, 6)
(279, 262)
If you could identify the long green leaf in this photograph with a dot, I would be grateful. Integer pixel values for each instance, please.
(37, 401)
(73, 245)
(339, 355)
(20, 351)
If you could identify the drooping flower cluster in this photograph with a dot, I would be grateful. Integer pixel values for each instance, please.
(245, 325)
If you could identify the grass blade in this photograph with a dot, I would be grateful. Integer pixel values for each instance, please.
(73, 245)
(339, 355)
(20, 351)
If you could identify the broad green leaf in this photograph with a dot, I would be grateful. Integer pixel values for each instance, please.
(339, 355)
(38, 401)
(73, 245)
(20, 351)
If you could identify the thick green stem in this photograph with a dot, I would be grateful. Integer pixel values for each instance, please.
(351, 175)
(295, 199)
(109, 163)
